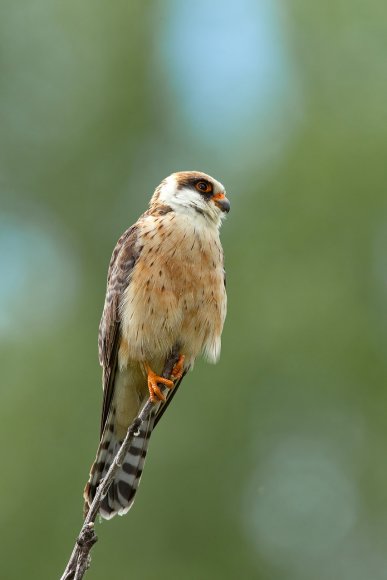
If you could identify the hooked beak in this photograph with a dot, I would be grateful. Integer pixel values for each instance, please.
(221, 201)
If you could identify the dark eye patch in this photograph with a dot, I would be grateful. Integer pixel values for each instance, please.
(192, 180)
(203, 186)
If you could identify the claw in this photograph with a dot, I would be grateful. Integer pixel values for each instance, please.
(155, 392)
(177, 371)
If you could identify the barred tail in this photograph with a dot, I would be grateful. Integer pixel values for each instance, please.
(122, 490)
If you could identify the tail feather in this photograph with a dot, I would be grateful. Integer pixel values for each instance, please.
(122, 490)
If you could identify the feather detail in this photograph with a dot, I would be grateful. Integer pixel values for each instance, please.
(122, 490)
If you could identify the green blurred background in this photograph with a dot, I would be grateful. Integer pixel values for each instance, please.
(273, 464)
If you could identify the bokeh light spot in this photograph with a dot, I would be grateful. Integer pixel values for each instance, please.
(230, 68)
(307, 503)
(40, 277)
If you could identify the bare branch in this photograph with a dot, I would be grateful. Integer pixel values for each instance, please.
(80, 558)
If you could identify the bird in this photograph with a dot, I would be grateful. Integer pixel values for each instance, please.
(166, 290)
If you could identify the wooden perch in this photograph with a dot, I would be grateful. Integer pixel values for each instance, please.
(80, 558)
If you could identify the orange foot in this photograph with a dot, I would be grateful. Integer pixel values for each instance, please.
(155, 393)
(177, 371)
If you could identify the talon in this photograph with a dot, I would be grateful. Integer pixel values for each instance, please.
(155, 392)
(177, 371)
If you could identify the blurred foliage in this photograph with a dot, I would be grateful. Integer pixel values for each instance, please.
(272, 464)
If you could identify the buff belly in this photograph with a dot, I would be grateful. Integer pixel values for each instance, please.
(175, 296)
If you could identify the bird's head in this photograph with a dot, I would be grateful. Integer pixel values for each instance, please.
(193, 193)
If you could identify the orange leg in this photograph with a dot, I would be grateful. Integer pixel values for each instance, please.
(155, 393)
(177, 371)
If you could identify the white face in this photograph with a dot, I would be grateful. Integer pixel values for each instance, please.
(195, 194)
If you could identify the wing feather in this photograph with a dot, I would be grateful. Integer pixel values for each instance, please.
(123, 260)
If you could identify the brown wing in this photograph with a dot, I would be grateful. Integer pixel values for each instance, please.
(122, 262)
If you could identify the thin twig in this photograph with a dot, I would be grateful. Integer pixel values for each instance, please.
(80, 557)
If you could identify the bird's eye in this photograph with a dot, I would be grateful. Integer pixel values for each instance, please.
(203, 186)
